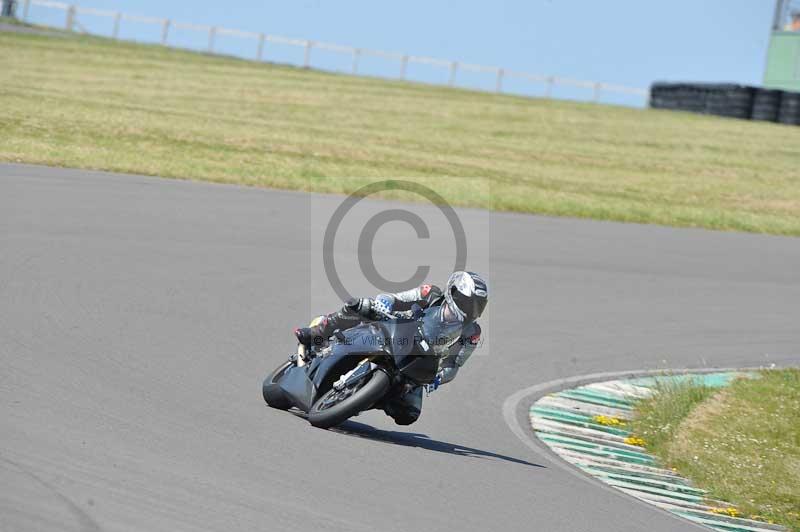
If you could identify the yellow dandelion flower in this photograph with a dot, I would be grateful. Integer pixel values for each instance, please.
(635, 440)
(609, 421)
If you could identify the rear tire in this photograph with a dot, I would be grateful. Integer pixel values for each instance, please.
(361, 400)
(273, 395)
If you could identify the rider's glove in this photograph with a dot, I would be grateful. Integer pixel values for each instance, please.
(382, 306)
(361, 306)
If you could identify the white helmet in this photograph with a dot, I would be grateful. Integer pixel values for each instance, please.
(466, 294)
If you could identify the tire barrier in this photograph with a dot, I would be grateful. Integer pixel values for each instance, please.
(789, 112)
(728, 100)
(766, 105)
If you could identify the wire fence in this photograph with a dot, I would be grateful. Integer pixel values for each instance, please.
(396, 65)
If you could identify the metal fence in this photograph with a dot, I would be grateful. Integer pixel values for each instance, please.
(499, 77)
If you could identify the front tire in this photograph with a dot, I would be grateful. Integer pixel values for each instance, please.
(324, 416)
(273, 395)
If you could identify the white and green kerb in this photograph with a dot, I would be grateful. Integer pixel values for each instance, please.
(587, 427)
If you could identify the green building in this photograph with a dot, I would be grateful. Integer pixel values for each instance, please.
(783, 58)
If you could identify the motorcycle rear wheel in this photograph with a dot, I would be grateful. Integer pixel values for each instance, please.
(324, 415)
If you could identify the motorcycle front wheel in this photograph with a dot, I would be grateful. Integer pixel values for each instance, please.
(336, 406)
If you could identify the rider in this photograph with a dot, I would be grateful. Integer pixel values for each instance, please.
(452, 329)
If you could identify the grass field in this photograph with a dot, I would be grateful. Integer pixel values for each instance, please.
(93, 103)
(741, 443)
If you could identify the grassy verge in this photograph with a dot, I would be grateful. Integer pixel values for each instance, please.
(741, 443)
(88, 102)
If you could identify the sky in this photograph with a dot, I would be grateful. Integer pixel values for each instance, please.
(627, 42)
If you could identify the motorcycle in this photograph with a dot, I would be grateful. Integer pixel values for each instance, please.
(361, 368)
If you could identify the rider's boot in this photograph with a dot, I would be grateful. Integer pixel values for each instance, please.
(322, 328)
(406, 408)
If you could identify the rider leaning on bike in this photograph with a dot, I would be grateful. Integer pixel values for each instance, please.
(450, 326)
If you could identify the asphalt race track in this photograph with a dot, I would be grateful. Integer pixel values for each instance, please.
(138, 317)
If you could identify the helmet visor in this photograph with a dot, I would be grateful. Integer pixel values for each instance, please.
(472, 306)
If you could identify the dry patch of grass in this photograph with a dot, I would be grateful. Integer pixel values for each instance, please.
(94, 103)
(658, 418)
(742, 443)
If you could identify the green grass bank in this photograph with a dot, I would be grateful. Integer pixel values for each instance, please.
(93, 103)
(742, 443)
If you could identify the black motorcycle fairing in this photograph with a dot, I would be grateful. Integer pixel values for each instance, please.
(411, 353)
(399, 343)
(420, 369)
(298, 387)
(364, 338)
(400, 336)
(359, 342)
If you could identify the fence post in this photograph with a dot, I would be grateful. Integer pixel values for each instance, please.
(164, 31)
(549, 91)
(70, 22)
(453, 70)
(212, 31)
(260, 52)
(307, 56)
(596, 92)
(498, 86)
(356, 56)
(403, 66)
(9, 8)
(117, 18)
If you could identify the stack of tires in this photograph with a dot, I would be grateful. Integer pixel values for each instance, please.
(730, 100)
(766, 105)
(723, 99)
(789, 111)
(677, 97)
(733, 101)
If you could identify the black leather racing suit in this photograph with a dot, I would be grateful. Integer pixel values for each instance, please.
(453, 341)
